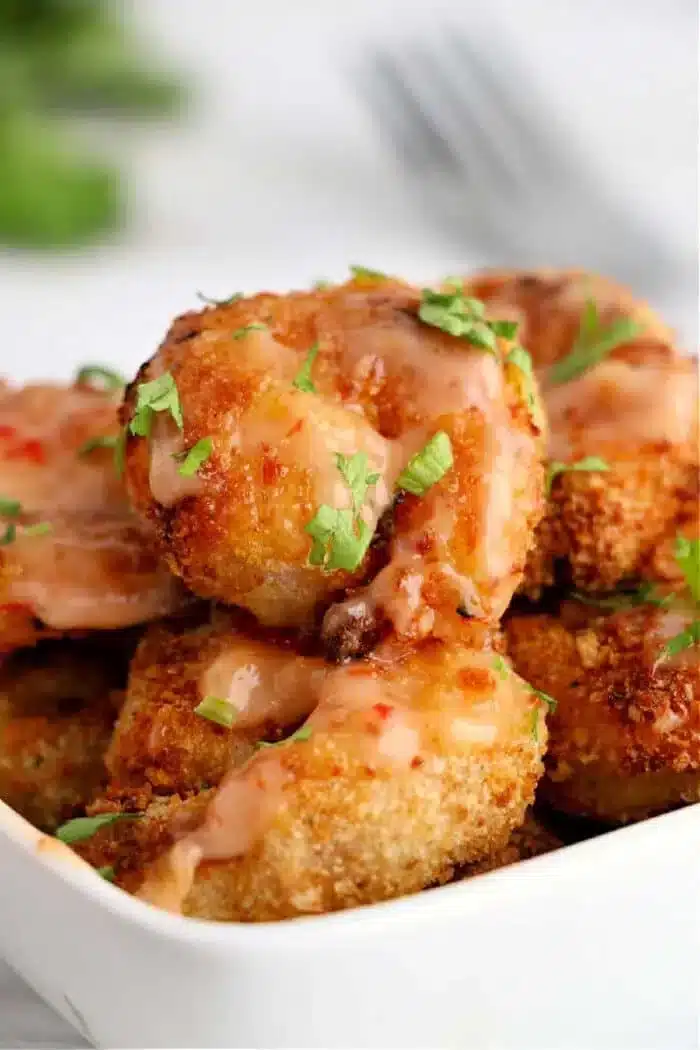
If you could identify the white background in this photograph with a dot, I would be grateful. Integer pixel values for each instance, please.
(277, 176)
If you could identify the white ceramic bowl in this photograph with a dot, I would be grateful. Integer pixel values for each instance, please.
(594, 945)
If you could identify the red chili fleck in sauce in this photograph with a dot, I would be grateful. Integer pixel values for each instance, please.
(7, 431)
(15, 608)
(383, 710)
(296, 428)
(271, 470)
(425, 543)
(416, 762)
(32, 450)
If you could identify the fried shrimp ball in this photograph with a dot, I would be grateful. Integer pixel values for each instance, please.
(72, 555)
(314, 404)
(58, 703)
(414, 761)
(633, 406)
(624, 739)
(199, 700)
(531, 839)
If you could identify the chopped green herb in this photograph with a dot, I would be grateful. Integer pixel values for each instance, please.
(302, 733)
(354, 471)
(102, 441)
(340, 539)
(427, 466)
(10, 507)
(546, 699)
(464, 317)
(302, 380)
(535, 723)
(364, 273)
(9, 535)
(42, 528)
(500, 667)
(192, 459)
(687, 554)
(593, 343)
(322, 284)
(679, 642)
(160, 395)
(219, 302)
(217, 709)
(588, 463)
(520, 358)
(241, 333)
(107, 873)
(645, 594)
(100, 378)
(82, 828)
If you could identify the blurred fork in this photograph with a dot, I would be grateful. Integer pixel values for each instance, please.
(490, 164)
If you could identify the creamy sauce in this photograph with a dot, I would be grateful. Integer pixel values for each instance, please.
(389, 715)
(617, 402)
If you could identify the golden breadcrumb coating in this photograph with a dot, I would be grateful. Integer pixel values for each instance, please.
(161, 743)
(625, 737)
(415, 761)
(58, 703)
(637, 410)
(384, 384)
(531, 839)
(73, 556)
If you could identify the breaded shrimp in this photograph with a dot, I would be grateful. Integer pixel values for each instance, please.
(259, 684)
(416, 760)
(72, 555)
(314, 404)
(58, 703)
(625, 736)
(531, 839)
(636, 410)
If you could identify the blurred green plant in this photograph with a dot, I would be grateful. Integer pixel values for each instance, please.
(59, 58)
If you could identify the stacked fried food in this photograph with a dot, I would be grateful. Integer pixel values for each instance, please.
(330, 501)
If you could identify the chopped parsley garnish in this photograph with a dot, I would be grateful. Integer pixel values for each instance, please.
(341, 537)
(241, 333)
(645, 594)
(302, 733)
(588, 463)
(160, 395)
(593, 343)
(9, 535)
(100, 378)
(682, 640)
(520, 359)
(82, 828)
(462, 316)
(354, 471)
(101, 441)
(427, 466)
(322, 284)
(500, 667)
(217, 709)
(107, 873)
(42, 528)
(219, 302)
(192, 459)
(364, 273)
(302, 380)
(687, 554)
(549, 701)
(535, 723)
(10, 507)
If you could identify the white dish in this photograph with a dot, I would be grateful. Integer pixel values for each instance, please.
(592, 945)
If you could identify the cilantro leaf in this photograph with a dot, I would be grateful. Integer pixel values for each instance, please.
(100, 378)
(302, 380)
(593, 343)
(500, 667)
(217, 709)
(588, 463)
(302, 733)
(354, 471)
(549, 701)
(679, 642)
(160, 395)
(107, 873)
(520, 359)
(9, 535)
(219, 302)
(82, 828)
(42, 528)
(340, 540)
(241, 333)
(687, 554)
(427, 466)
(10, 507)
(101, 441)
(464, 317)
(363, 273)
(193, 458)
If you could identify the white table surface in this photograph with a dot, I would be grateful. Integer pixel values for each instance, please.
(277, 176)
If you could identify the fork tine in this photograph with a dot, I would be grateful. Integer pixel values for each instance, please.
(406, 119)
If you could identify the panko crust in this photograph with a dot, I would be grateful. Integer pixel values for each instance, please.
(531, 839)
(601, 528)
(377, 801)
(238, 533)
(625, 737)
(161, 744)
(58, 703)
